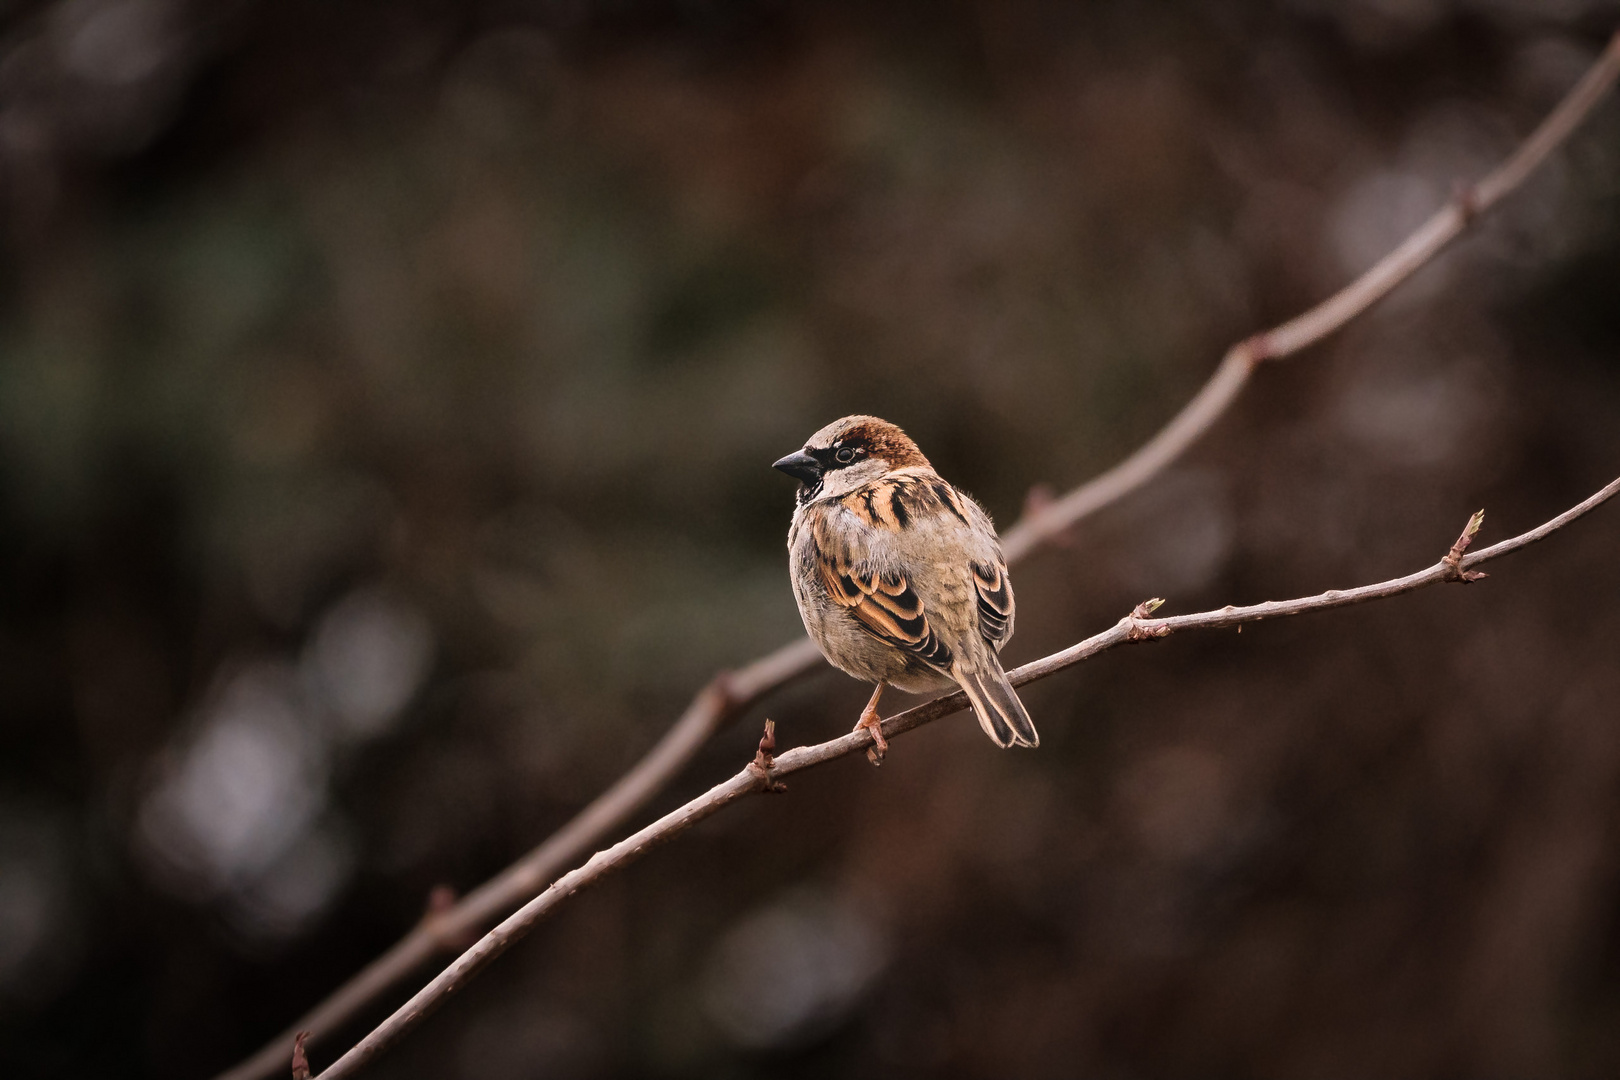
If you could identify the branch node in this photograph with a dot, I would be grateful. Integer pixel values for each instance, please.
(1039, 496)
(441, 903)
(1453, 558)
(440, 899)
(1037, 501)
(764, 762)
(1255, 349)
(724, 692)
(300, 1062)
(1465, 197)
(1137, 631)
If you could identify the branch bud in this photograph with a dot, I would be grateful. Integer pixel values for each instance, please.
(1453, 559)
(1141, 611)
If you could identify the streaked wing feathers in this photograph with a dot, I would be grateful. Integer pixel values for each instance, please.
(886, 606)
(995, 601)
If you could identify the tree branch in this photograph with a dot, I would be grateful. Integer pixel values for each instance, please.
(731, 693)
(755, 777)
(1306, 329)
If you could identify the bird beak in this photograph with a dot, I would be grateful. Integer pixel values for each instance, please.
(801, 466)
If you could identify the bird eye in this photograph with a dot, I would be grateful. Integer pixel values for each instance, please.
(845, 456)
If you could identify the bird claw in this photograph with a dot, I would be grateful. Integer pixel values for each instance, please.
(880, 745)
(871, 721)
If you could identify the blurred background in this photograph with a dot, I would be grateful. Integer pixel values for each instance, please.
(387, 398)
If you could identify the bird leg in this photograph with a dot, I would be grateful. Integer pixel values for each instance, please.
(872, 721)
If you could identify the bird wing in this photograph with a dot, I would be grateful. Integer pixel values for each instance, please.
(890, 504)
(885, 605)
(995, 600)
(853, 549)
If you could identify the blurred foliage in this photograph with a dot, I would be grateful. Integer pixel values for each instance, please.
(387, 394)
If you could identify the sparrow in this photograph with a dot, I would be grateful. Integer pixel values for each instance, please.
(899, 576)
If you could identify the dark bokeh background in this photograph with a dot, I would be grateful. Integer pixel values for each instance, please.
(387, 393)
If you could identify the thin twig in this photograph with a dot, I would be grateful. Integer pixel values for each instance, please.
(732, 693)
(444, 931)
(1210, 403)
(754, 778)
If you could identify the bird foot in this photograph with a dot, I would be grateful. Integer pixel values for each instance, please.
(874, 723)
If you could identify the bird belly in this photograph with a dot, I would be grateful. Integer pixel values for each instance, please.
(847, 646)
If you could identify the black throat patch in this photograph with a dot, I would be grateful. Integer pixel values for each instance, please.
(808, 492)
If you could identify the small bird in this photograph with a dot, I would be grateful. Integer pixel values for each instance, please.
(899, 576)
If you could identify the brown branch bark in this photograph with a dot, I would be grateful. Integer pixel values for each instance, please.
(755, 778)
(1211, 402)
(731, 693)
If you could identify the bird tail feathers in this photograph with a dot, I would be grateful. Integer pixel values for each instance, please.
(995, 702)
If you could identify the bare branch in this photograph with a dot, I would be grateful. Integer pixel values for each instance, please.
(729, 694)
(755, 778)
(1210, 403)
(446, 931)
